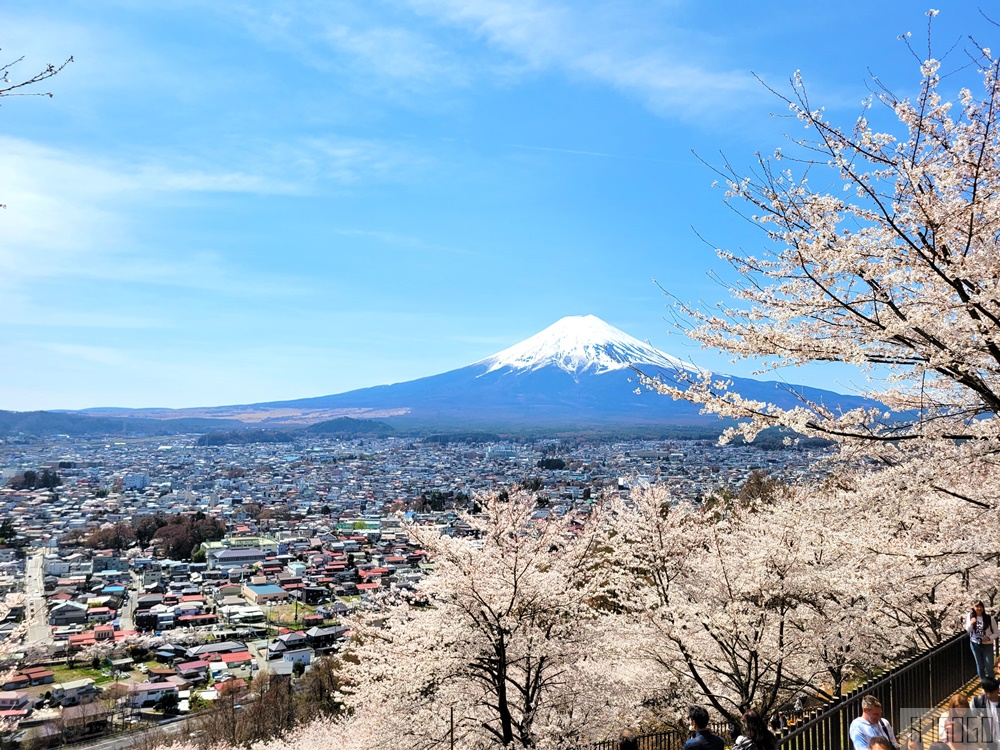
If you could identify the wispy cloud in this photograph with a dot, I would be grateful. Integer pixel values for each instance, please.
(409, 47)
(362, 43)
(600, 42)
(71, 214)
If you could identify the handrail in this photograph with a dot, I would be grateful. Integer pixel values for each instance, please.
(906, 692)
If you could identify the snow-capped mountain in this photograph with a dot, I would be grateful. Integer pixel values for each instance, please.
(581, 344)
(575, 374)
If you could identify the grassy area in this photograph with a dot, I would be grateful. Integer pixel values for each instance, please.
(283, 615)
(68, 674)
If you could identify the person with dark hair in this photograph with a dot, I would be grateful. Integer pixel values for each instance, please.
(881, 743)
(986, 710)
(982, 630)
(703, 739)
(777, 722)
(756, 735)
(628, 740)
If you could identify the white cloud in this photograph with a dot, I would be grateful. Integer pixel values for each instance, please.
(659, 64)
(357, 40)
(70, 214)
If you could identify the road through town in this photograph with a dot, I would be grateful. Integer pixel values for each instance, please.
(38, 628)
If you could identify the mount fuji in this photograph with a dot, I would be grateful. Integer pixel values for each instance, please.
(576, 374)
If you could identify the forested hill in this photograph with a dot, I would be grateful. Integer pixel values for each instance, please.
(41, 423)
(350, 426)
(245, 437)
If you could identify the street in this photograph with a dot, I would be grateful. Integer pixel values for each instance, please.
(37, 614)
(120, 742)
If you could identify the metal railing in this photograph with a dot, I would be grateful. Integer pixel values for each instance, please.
(906, 691)
(922, 682)
(670, 739)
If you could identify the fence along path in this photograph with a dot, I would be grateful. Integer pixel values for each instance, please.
(912, 694)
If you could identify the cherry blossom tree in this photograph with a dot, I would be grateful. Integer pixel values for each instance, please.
(752, 601)
(881, 253)
(511, 649)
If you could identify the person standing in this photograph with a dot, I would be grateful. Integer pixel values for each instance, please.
(870, 725)
(756, 735)
(955, 726)
(985, 707)
(703, 738)
(982, 630)
(628, 740)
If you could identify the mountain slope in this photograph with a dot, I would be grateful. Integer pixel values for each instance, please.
(577, 373)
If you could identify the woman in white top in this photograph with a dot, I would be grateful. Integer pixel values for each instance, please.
(956, 726)
(982, 630)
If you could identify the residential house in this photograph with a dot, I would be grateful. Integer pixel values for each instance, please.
(195, 671)
(75, 692)
(298, 656)
(85, 720)
(224, 559)
(12, 700)
(264, 593)
(321, 639)
(145, 694)
(68, 613)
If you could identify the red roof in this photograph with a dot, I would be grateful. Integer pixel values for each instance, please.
(189, 666)
(369, 586)
(86, 639)
(237, 657)
(198, 618)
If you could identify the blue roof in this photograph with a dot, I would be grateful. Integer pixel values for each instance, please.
(266, 589)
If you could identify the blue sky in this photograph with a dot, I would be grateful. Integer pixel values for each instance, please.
(229, 202)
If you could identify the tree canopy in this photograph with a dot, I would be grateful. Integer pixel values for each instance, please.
(881, 252)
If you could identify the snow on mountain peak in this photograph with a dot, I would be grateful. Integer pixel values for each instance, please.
(580, 343)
